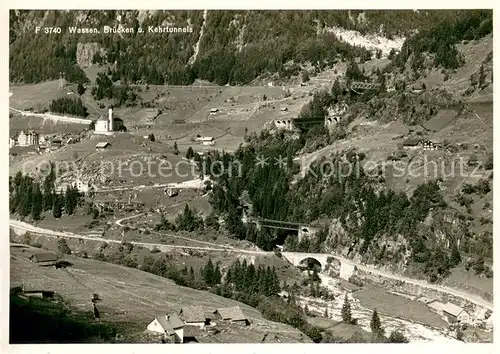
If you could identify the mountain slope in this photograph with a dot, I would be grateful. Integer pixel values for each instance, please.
(235, 46)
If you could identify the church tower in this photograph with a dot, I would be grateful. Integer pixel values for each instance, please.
(110, 120)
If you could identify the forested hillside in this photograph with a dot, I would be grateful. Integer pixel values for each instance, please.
(236, 46)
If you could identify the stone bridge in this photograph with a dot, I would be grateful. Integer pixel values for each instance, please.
(298, 258)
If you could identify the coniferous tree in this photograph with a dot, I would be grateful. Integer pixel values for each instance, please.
(176, 149)
(208, 273)
(36, 203)
(346, 311)
(80, 89)
(189, 153)
(26, 197)
(57, 207)
(376, 325)
(455, 257)
(482, 76)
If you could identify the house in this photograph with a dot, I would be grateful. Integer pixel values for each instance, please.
(102, 145)
(169, 325)
(42, 141)
(56, 142)
(455, 313)
(214, 110)
(409, 144)
(429, 145)
(284, 109)
(81, 186)
(205, 140)
(44, 259)
(12, 141)
(42, 294)
(194, 316)
(171, 192)
(52, 147)
(233, 314)
(27, 139)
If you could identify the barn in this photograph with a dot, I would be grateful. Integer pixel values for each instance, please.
(194, 316)
(44, 259)
(233, 314)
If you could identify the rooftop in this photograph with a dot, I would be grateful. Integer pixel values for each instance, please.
(232, 313)
(411, 142)
(192, 314)
(44, 257)
(452, 309)
(169, 322)
(102, 144)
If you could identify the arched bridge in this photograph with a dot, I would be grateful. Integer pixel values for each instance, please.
(298, 258)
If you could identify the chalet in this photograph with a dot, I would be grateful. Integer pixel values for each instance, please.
(233, 314)
(409, 144)
(194, 316)
(44, 259)
(102, 145)
(169, 325)
(455, 313)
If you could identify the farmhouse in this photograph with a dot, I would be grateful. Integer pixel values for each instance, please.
(27, 139)
(102, 145)
(233, 314)
(206, 140)
(455, 313)
(169, 325)
(44, 259)
(194, 316)
(410, 144)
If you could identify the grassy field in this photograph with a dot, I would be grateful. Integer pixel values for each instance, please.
(340, 330)
(134, 297)
(374, 297)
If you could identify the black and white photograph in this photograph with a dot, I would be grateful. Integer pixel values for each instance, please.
(249, 176)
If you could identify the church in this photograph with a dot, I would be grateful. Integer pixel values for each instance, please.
(108, 125)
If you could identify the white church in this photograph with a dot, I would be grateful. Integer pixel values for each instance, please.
(109, 125)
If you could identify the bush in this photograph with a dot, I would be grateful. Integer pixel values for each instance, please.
(62, 246)
(397, 337)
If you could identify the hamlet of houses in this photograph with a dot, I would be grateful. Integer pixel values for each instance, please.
(172, 326)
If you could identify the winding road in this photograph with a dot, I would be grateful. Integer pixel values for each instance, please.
(19, 225)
